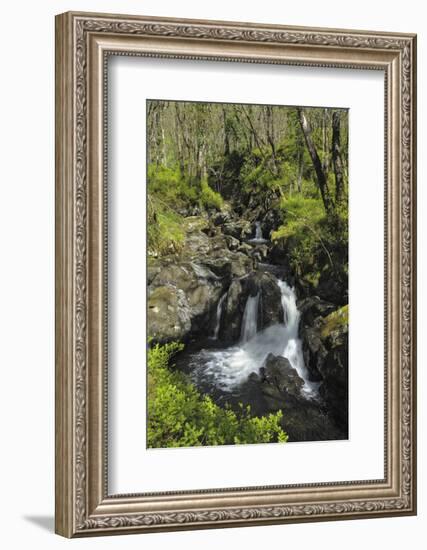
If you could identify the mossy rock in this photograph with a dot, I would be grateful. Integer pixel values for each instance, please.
(195, 223)
(169, 316)
(337, 321)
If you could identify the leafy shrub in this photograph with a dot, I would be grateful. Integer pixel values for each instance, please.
(179, 416)
(314, 242)
(169, 195)
(169, 186)
(167, 192)
(210, 198)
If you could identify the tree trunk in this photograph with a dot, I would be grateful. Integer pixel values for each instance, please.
(226, 135)
(336, 157)
(320, 174)
(269, 126)
(300, 171)
(325, 142)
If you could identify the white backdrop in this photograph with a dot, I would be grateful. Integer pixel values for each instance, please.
(132, 80)
(27, 244)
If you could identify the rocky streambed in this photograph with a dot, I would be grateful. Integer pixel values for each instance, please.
(252, 336)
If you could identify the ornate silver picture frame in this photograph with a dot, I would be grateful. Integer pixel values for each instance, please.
(84, 42)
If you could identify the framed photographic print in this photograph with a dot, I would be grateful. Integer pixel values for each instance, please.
(235, 274)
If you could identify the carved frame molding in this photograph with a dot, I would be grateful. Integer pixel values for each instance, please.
(83, 43)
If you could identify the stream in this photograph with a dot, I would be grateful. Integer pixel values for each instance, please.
(224, 371)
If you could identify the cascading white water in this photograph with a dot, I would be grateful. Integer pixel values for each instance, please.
(258, 239)
(293, 348)
(250, 319)
(230, 367)
(218, 316)
(258, 231)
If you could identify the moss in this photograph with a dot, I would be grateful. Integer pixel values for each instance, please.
(334, 321)
(313, 278)
(165, 232)
(210, 198)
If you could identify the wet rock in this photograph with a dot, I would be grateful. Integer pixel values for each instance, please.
(241, 264)
(272, 220)
(239, 229)
(304, 419)
(325, 348)
(279, 255)
(314, 351)
(234, 306)
(260, 252)
(270, 304)
(334, 369)
(270, 310)
(333, 286)
(313, 307)
(280, 382)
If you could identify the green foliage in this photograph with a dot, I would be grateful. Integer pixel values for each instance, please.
(164, 228)
(169, 193)
(179, 416)
(300, 213)
(210, 198)
(315, 242)
(257, 159)
(168, 184)
(257, 174)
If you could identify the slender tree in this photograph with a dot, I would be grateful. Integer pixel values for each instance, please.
(336, 157)
(320, 174)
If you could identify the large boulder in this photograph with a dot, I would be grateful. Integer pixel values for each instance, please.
(241, 264)
(280, 382)
(260, 252)
(325, 348)
(314, 351)
(313, 307)
(272, 219)
(221, 266)
(195, 287)
(169, 315)
(334, 369)
(270, 310)
(333, 286)
(304, 418)
(215, 249)
(239, 229)
(202, 271)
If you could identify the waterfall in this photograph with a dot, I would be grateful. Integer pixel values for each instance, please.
(291, 318)
(258, 231)
(218, 316)
(250, 319)
(228, 368)
(258, 239)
